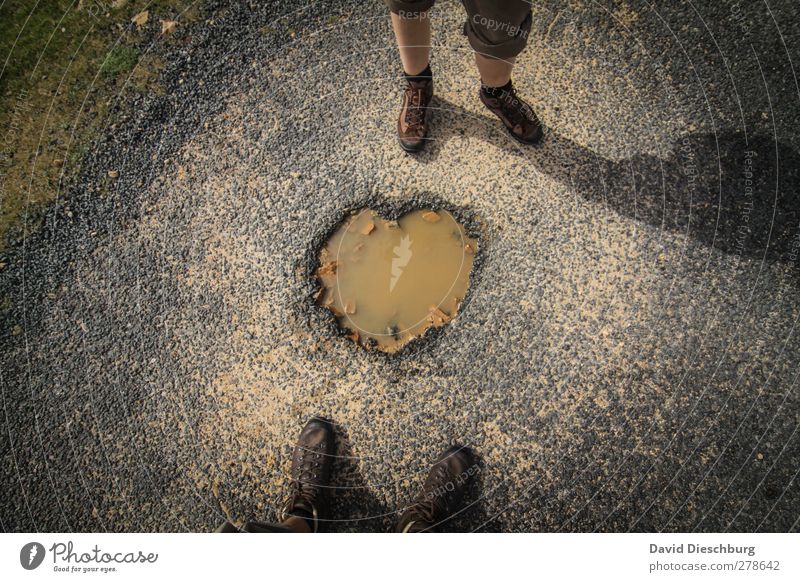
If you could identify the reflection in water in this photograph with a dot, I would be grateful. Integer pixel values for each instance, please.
(387, 282)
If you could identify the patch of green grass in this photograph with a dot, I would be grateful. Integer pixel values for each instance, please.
(51, 103)
(31, 34)
(121, 59)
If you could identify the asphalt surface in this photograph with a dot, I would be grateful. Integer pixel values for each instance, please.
(627, 357)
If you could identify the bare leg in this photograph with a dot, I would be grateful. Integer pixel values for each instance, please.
(494, 72)
(414, 41)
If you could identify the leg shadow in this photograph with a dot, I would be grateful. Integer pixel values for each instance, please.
(355, 507)
(734, 193)
(474, 515)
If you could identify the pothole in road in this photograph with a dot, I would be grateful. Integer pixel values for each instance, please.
(389, 281)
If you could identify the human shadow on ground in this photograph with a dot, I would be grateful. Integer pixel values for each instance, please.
(356, 507)
(474, 515)
(739, 195)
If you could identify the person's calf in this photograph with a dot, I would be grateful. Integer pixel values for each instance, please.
(412, 30)
(494, 72)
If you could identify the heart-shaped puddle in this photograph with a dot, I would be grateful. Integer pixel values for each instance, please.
(388, 281)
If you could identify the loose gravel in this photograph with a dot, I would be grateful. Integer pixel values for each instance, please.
(627, 358)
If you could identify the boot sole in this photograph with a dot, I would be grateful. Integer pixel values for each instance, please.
(412, 149)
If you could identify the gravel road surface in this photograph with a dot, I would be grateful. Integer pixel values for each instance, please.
(627, 357)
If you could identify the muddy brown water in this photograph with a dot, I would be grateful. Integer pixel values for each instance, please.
(388, 282)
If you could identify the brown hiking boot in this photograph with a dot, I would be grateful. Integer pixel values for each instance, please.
(518, 117)
(442, 492)
(312, 463)
(412, 125)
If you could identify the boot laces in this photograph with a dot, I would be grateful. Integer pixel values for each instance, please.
(517, 110)
(435, 502)
(415, 113)
(310, 467)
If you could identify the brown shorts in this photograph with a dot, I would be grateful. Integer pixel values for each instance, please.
(495, 28)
